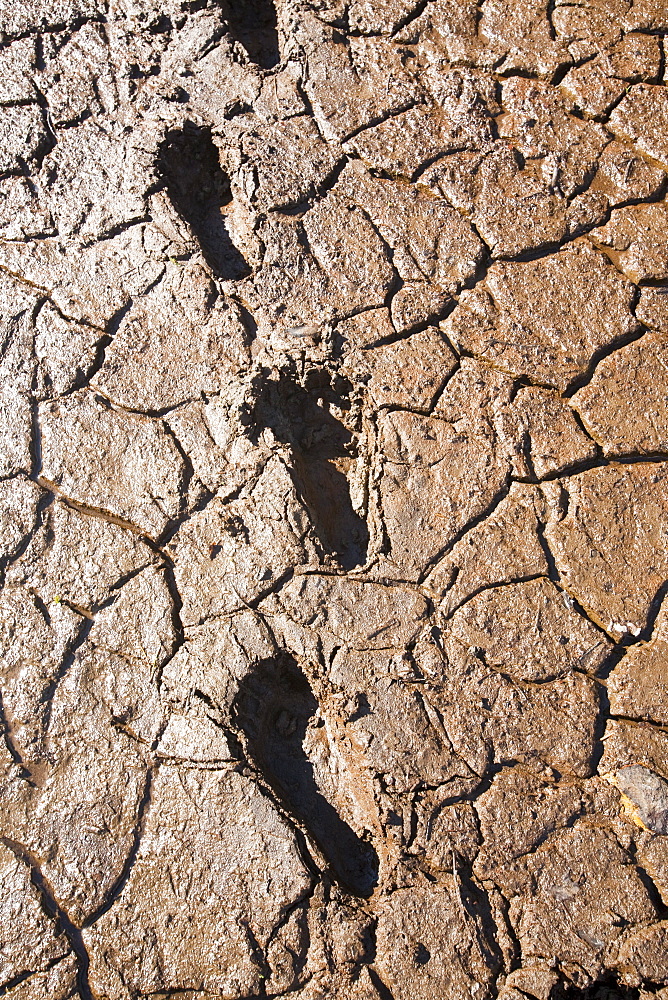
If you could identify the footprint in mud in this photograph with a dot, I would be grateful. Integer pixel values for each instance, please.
(278, 714)
(322, 449)
(199, 190)
(253, 24)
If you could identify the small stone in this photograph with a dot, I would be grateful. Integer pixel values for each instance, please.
(648, 795)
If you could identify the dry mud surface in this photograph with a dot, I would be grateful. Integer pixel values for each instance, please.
(334, 499)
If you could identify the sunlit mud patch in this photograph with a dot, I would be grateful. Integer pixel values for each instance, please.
(199, 190)
(323, 454)
(285, 737)
(253, 24)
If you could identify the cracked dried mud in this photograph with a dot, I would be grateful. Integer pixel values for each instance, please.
(333, 499)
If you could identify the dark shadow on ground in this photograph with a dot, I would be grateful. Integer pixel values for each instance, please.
(599, 991)
(199, 190)
(253, 24)
(275, 707)
(319, 442)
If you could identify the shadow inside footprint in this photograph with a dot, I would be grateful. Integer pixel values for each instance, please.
(599, 991)
(277, 711)
(199, 190)
(322, 447)
(253, 24)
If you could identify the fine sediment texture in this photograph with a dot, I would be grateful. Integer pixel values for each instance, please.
(334, 499)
